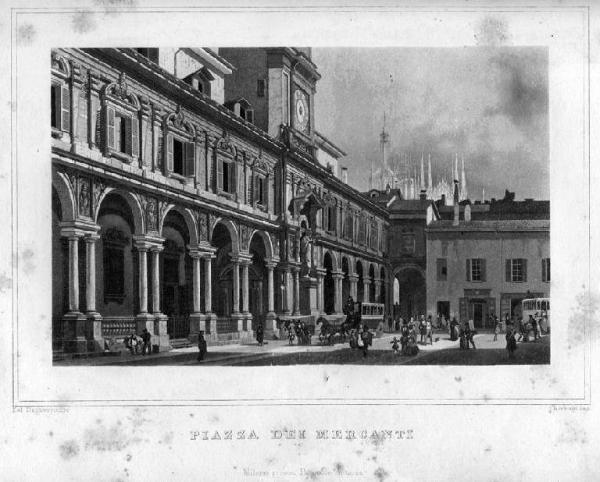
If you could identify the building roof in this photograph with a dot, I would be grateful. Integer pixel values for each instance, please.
(328, 146)
(492, 225)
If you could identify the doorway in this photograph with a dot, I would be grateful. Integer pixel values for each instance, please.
(479, 313)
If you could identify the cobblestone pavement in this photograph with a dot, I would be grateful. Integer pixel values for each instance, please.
(274, 349)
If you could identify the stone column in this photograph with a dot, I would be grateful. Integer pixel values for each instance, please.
(296, 274)
(75, 329)
(156, 279)
(378, 283)
(285, 303)
(367, 285)
(143, 278)
(320, 299)
(74, 273)
(270, 265)
(145, 320)
(353, 286)
(197, 318)
(235, 310)
(246, 293)
(338, 276)
(94, 329)
(210, 316)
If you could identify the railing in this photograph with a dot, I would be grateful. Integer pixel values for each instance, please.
(178, 326)
(373, 309)
(117, 326)
(226, 325)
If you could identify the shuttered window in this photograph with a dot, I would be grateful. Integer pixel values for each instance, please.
(60, 107)
(121, 132)
(546, 270)
(181, 157)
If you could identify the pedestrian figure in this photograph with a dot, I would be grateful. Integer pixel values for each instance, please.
(429, 331)
(422, 329)
(367, 339)
(395, 345)
(202, 349)
(496, 330)
(259, 333)
(146, 339)
(390, 323)
(511, 342)
(470, 333)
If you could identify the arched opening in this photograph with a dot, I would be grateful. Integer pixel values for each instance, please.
(346, 279)
(116, 263)
(372, 285)
(257, 281)
(328, 285)
(222, 278)
(360, 288)
(176, 276)
(382, 292)
(411, 291)
(60, 275)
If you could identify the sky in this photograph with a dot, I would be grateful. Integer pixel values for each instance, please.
(489, 105)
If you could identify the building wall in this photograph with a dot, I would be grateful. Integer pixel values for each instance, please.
(458, 246)
(250, 66)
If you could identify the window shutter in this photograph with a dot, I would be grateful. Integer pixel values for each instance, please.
(524, 270)
(220, 167)
(508, 273)
(56, 106)
(126, 124)
(65, 109)
(233, 189)
(135, 141)
(483, 271)
(110, 127)
(254, 193)
(468, 270)
(169, 154)
(190, 159)
(250, 116)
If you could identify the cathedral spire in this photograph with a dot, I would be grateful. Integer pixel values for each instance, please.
(422, 183)
(463, 181)
(429, 180)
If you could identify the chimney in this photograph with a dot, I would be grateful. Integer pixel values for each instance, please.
(468, 213)
(345, 175)
(443, 199)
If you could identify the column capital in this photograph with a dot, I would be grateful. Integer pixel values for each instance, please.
(367, 281)
(146, 242)
(321, 272)
(80, 227)
(91, 237)
(270, 264)
(240, 258)
(353, 277)
(337, 274)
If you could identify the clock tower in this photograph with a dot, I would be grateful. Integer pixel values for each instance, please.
(279, 83)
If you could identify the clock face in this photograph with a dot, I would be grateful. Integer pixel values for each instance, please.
(301, 111)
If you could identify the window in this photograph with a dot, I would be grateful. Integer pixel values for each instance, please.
(260, 88)
(349, 225)
(181, 159)
(442, 269)
(516, 270)
(362, 231)
(330, 218)
(476, 269)
(546, 270)
(226, 176)
(260, 192)
(60, 107)
(122, 132)
(246, 113)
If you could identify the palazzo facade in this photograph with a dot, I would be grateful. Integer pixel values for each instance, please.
(191, 195)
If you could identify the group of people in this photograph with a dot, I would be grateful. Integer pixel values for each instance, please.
(136, 344)
(298, 329)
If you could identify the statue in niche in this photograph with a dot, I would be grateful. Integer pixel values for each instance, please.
(305, 252)
(151, 215)
(84, 199)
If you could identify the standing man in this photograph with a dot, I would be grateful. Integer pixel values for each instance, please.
(146, 339)
(260, 333)
(201, 346)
